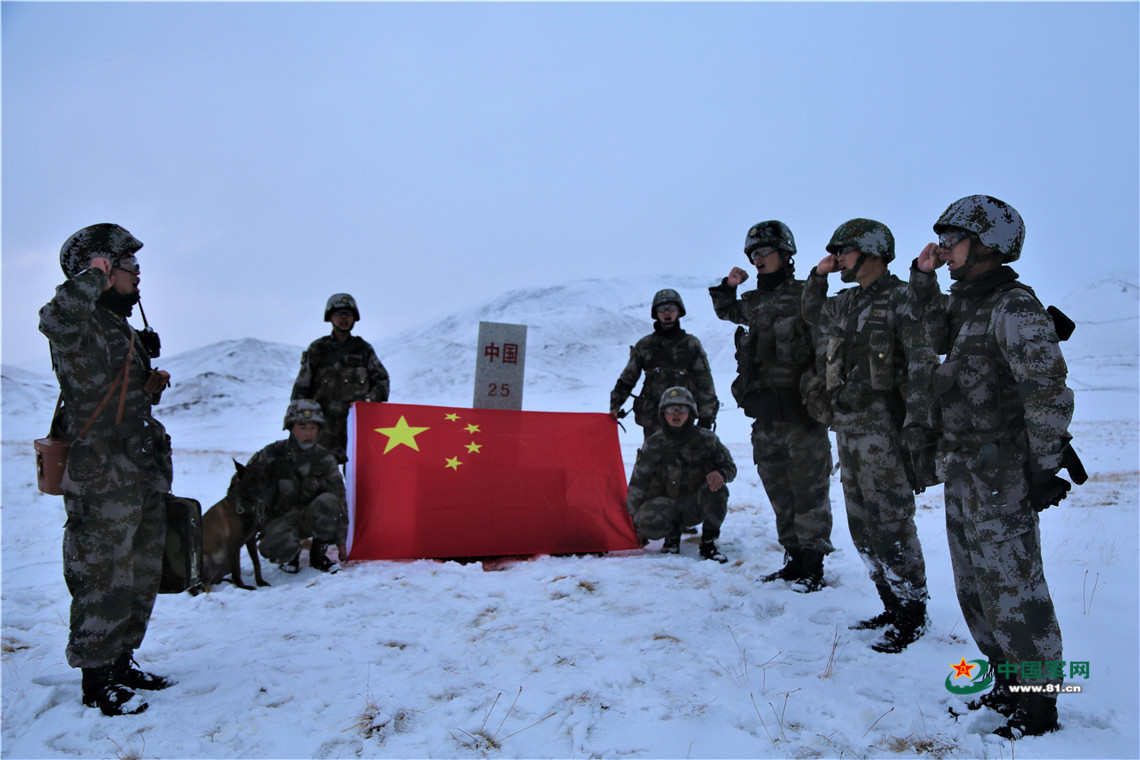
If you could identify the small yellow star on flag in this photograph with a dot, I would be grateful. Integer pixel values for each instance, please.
(472, 428)
(453, 463)
(473, 448)
(402, 434)
(452, 417)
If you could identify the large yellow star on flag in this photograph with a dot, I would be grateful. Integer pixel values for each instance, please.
(963, 668)
(402, 434)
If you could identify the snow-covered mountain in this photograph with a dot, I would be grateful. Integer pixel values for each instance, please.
(635, 654)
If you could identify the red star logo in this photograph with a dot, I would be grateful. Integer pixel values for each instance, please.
(963, 668)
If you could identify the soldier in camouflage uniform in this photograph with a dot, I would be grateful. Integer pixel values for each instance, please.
(669, 357)
(306, 493)
(1005, 410)
(119, 467)
(679, 479)
(338, 369)
(877, 372)
(775, 355)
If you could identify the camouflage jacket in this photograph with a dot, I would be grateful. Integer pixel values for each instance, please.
(878, 360)
(668, 358)
(292, 477)
(1004, 377)
(774, 353)
(676, 466)
(89, 346)
(334, 374)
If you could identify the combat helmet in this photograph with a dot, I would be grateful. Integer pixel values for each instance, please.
(107, 240)
(338, 301)
(668, 295)
(303, 410)
(996, 223)
(870, 237)
(773, 233)
(678, 396)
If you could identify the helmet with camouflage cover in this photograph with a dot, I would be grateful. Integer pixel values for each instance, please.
(668, 295)
(868, 236)
(678, 396)
(338, 301)
(303, 410)
(996, 223)
(107, 240)
(772, 233)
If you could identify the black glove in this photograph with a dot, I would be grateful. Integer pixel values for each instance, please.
(1046, 490)
(707, 422)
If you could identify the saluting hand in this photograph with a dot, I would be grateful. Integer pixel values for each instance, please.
(104, 264)
(829, 264)
(929, 260)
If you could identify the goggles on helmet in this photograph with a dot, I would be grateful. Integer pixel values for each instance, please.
(762, 252)
(952, 237)
(127, 264)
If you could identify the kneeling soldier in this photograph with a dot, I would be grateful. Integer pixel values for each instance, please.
(306, 493)
(679, 479)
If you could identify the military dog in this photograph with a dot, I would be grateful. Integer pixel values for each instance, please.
(226, 526)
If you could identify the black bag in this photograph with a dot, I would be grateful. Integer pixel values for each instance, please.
(182, 558)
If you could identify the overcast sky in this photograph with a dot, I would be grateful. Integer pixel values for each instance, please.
(425, 157)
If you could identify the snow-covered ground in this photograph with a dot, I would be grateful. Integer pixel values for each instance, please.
(632, 654)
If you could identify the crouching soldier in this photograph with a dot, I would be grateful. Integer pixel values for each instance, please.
(306, 494)
(679, 479)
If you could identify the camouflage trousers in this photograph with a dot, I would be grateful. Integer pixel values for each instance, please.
(995, 550)
(880, 513)
(323, 520)
(661, 516)
(112, 564)
(794, 464)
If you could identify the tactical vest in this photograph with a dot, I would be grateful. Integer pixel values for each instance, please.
(776, 348)
(977, 392)
(867, 361)
(665, 366)
(342, 376)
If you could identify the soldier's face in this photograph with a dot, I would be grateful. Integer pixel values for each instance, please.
(676, 416)
(306, 433)
(955, 258)
(123, 282)
(767, 260)
(668, 313)
(342, 320)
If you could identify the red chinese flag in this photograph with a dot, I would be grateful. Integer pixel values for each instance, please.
(434, 482)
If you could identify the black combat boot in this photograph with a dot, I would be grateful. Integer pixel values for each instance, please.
(792, 569)
(999, 698)
(811, 573)
(128, 674)
(293, 566)
(1035, 714)
(884, 618)
(709, 551)
(319, 558)
(909, 624)
(101, 689)
(672, 545)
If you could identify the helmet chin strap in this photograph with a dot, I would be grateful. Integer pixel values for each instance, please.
(974, 257)
(853, 274)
